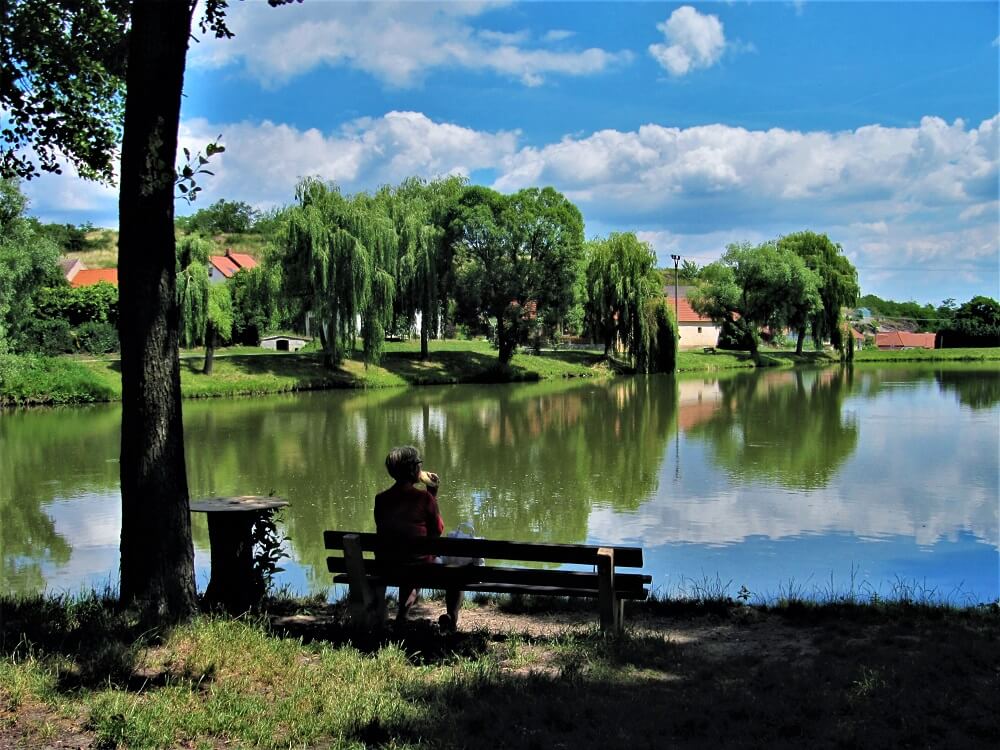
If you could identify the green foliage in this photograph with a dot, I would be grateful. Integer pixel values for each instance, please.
(752, 287)
(620, 282)
(838, 285)
(220, 310)
(658, 352)
(45, 336)
(28, 263)
(222, 217)
(97, 337)
(925, 316)
(33, 379)
(255, 295)
(63, 63)
(79, 305)
(976, 323)
(69, 238)
(513, 250)
(193, 288)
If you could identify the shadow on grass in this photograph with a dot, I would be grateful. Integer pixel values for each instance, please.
(908, 681)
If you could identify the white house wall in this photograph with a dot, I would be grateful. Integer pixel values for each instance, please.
(697, 335)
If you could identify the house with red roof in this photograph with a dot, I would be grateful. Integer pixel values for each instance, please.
(222, 267)
(90, 276)
(695, 330)
(904, 340)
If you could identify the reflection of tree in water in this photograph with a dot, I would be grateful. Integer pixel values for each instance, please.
(976, 388)
(44, 455)
(786, 427)
(520, 462)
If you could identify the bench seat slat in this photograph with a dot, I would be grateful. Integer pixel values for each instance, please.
(491, 549)
(510, 588)
(465, 575)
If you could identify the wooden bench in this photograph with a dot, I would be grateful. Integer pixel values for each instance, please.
(368, 577)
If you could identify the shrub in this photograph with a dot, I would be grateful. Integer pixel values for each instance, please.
(97, 338)
(98, 302)
(45, 336)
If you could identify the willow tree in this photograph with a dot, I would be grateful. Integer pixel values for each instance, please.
(838, 285)
(206, 309)
(422, 213)
(336, 254)
(620, 282)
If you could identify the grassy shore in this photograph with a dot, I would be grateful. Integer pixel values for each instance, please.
(33, 380)
(694, 673)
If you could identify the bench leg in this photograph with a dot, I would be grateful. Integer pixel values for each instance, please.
(367, 602)
(610, 605)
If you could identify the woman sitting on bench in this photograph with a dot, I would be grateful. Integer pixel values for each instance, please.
(405, 511)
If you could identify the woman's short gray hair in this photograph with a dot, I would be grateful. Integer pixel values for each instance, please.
(400, 461)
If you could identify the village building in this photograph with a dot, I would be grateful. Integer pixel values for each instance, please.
(283, 342)
(222, 267)
(693, 329)
(91, 276)
(890, 340)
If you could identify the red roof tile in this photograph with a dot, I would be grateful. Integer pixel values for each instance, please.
(241, 259)
(904, 340)
(89, 276)
(686, 313)
(223, 265)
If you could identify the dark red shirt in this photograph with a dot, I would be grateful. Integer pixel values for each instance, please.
(403, 512)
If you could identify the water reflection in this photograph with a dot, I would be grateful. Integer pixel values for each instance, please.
(786, 427)
(717, 471)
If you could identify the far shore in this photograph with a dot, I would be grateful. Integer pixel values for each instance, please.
(250, 371)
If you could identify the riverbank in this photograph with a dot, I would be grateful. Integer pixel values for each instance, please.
(687, 673)
(34, 380)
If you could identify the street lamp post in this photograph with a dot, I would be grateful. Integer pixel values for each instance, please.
(677, 315)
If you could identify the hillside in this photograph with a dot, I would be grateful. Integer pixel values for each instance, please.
(101, 247)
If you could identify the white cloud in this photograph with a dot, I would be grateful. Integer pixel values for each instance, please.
(897, 199)
(397, 43)
(558, 35)
(693, 40)
(263, 161)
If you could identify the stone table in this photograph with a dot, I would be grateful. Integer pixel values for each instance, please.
(233, 582)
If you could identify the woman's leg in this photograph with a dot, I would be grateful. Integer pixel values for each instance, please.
(407, 598)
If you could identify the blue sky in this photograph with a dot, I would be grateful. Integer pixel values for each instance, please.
(693, 125)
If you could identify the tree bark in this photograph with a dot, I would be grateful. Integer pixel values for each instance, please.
(505, 343)
(209, 349)
(425, 324)
(798, 344)
(157, 557)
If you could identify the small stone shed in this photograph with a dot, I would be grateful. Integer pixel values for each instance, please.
(284, 342)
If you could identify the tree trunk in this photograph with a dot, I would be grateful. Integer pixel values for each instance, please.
(209, 349)
(327, 357)
(425, 323)
(505, 341)
(157, 557)
(802, 336)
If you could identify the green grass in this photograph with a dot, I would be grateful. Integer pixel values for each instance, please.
(929, 355)
(82, 671)
(240, 371)
(29, 379)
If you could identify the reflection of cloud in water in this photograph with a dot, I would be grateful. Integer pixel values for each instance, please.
(923, 468)
(94, 522)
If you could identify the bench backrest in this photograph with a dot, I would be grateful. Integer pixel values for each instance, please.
(491, 549)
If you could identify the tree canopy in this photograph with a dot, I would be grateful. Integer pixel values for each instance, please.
(28, 264)
(517, 256)
(61, 86)
(620, 280)
(838, 285)
(756, 286)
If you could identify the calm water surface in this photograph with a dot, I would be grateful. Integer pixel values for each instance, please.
(802, 481)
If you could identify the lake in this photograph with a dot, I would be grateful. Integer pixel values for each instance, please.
(874, 480)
